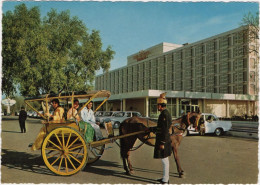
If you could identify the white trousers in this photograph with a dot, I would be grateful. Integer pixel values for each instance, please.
(98, 132)
(165, 162)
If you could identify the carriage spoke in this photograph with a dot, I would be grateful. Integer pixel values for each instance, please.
(55, 161)
(77, 153)
(52, 155)
(66, 165)
(51, 149)
(58, 139)
(75, 158)
(60, 163)
(63, 139)
(54, 144)
(71, 163)
(92, 152)
(68, 140)
(80, 146)
(73, 142)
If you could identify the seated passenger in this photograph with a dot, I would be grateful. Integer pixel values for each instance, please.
(57, 115)
(72, 113)
(87, 115)
(210, 119)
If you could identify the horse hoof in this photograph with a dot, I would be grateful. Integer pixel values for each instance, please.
(129, 173)
(181, 175)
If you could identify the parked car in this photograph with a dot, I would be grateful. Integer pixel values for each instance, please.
(119, 117)
(212, 124)
(38, 115)
(30, 113)
(99, 113)
(105, 116)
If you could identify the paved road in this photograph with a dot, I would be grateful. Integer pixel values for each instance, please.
(205, 159)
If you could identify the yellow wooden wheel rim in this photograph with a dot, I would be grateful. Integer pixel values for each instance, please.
(64, 151)
(94, 153)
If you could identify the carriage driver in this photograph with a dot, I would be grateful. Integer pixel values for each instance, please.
(162, 149)
(87, 115)
(57, 116)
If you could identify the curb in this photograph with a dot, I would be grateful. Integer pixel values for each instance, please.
(243, 134)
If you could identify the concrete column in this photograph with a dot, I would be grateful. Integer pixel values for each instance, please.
(106, 106)
(227, 109)
(177, 108)
(147, 106)
(203, 105)
(248, 110)
(124, 104)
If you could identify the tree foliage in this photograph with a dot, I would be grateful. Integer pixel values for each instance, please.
(50, 54)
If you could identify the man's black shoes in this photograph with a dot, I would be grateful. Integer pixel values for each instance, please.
(162, 182)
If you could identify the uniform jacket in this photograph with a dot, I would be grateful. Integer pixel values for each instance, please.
(163, 136)
(22, 115)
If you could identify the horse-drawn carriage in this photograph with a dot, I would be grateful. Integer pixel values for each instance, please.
(64, 149)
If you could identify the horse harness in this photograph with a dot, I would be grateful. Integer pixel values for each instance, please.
(177, 125)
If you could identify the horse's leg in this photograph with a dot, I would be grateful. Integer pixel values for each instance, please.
(131, 141)
(125, 165)
(125, 153)
(175, 144)
(131, 172)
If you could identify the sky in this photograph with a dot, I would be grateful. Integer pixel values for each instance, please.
(133, 26)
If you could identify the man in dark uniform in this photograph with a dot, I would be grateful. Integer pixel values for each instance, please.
(163, 148)
(22, 118)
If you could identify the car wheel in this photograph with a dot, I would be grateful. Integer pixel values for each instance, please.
(116, 125)
(218, 131)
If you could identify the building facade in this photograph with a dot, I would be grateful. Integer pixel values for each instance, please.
(217, 75)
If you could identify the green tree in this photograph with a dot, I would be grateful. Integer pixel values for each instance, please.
(17, 26)
(54, 54)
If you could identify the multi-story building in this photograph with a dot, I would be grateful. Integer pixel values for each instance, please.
(218, 75)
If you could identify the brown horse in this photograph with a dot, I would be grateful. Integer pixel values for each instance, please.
(136, 124)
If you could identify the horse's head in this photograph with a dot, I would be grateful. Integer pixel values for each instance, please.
(195, 119)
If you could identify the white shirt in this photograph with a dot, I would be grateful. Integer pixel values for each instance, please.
(87, 115)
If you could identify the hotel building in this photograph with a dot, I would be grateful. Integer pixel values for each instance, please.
(217, 75)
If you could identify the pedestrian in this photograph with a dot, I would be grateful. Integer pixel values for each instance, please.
(22, 118)
(162, 149)
(87, 115)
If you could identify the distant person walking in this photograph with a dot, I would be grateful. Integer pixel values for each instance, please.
(22, 118)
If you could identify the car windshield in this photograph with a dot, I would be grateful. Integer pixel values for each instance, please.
(137, 114)
(108, 114)
(211, 117)
(99, 114)
(119, 114)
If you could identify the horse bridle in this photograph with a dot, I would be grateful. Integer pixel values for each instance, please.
(179, 128)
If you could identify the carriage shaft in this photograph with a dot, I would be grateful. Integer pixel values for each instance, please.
(112, 139)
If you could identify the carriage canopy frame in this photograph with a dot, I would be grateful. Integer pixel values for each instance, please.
(89, 95)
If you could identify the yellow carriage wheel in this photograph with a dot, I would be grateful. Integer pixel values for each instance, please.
(94, 153)
(64, 151)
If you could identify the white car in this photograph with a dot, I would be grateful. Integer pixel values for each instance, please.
(212, 124)
(119, 117)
